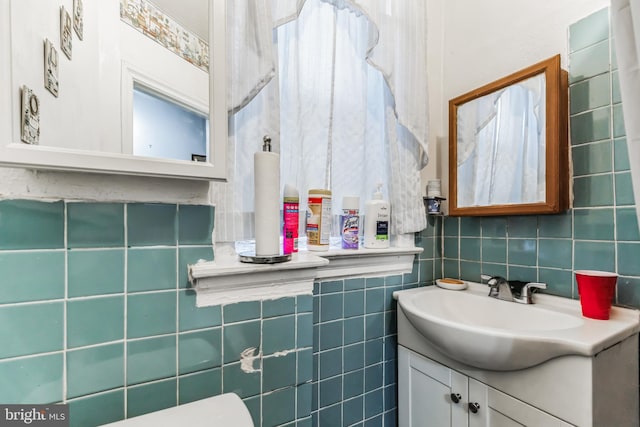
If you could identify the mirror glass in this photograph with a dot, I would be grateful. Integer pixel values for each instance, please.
(501, 146)
(133, 85)
(168, 122)
(505, 145)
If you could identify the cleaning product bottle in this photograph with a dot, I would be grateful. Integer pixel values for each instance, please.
(290, 208)
(319, 220)
(377, 215)
(349, 222)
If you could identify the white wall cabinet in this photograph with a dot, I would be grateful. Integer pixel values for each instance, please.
(88, 127)
(433, 395)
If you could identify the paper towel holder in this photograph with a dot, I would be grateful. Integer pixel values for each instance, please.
(250, 256)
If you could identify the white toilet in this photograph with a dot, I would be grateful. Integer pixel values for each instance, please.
(219, 411)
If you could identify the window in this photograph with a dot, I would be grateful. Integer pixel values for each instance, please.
(339, 88)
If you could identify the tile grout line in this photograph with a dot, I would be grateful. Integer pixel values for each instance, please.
(572, 178)
(297, 358)
(384, 343)
(261, 367)
(613, 171)
(65, 385)
(460, 261)
(125, 279)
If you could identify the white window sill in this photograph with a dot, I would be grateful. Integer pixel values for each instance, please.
(344, 263)
(227, 280)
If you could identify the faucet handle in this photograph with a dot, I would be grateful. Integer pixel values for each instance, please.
(529, 288)
(497, 287)
(493, 281)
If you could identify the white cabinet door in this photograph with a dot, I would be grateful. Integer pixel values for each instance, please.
(433, 395)
(497, 409)
(430, 394)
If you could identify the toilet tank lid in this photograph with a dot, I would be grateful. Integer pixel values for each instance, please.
(222, 410)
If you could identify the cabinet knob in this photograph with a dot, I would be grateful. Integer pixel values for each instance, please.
(474, 407)
(455, 397)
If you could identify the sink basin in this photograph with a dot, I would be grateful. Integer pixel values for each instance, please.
(487, 333)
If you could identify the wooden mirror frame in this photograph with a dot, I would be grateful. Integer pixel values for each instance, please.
(557, 149)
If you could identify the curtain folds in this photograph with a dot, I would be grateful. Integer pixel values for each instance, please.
(625, 15)
(334, 119)
(251, 57)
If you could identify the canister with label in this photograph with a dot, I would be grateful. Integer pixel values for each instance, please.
(318, 220)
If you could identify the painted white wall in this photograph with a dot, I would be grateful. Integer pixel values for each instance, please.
(481, 41)
(72, 119)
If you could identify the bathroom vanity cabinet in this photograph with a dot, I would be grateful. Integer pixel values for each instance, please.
(431, 394)
(572, 390)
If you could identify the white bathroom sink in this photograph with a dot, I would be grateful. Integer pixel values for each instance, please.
(477, 330)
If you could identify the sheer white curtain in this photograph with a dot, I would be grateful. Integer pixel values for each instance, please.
(332, 105)
(253, 102)
(334, 118)
(625, 15)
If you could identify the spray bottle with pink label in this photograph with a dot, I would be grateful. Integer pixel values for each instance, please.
(290, 210)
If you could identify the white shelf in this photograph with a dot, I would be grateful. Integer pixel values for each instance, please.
(227, 280)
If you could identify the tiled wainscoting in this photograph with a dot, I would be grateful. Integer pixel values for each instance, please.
(96, 311)
(354, 351)
(355, 341)
(601, 231)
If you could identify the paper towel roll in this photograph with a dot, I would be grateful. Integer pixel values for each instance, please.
(266, 168)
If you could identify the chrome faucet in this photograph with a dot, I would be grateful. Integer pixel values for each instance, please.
(500, 288)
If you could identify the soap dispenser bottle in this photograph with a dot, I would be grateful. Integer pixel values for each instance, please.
(377, 215)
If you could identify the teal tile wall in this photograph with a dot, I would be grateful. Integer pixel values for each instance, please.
(601, 231)
(355, 341)
(96, 312)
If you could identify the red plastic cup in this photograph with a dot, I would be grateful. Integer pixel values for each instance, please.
(596, 289)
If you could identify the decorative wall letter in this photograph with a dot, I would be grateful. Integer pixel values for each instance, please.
(65, 32)
(78, 21)
(50, 68)
(30, 129)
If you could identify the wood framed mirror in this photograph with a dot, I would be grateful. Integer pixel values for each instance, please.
(508, 145)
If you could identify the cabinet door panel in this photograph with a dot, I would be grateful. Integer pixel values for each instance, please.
(498, 409)
(424, 393)
(430, 406)
(517, 410)
(478, 396)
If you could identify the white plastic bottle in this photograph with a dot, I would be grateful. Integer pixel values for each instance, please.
(377, 215)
